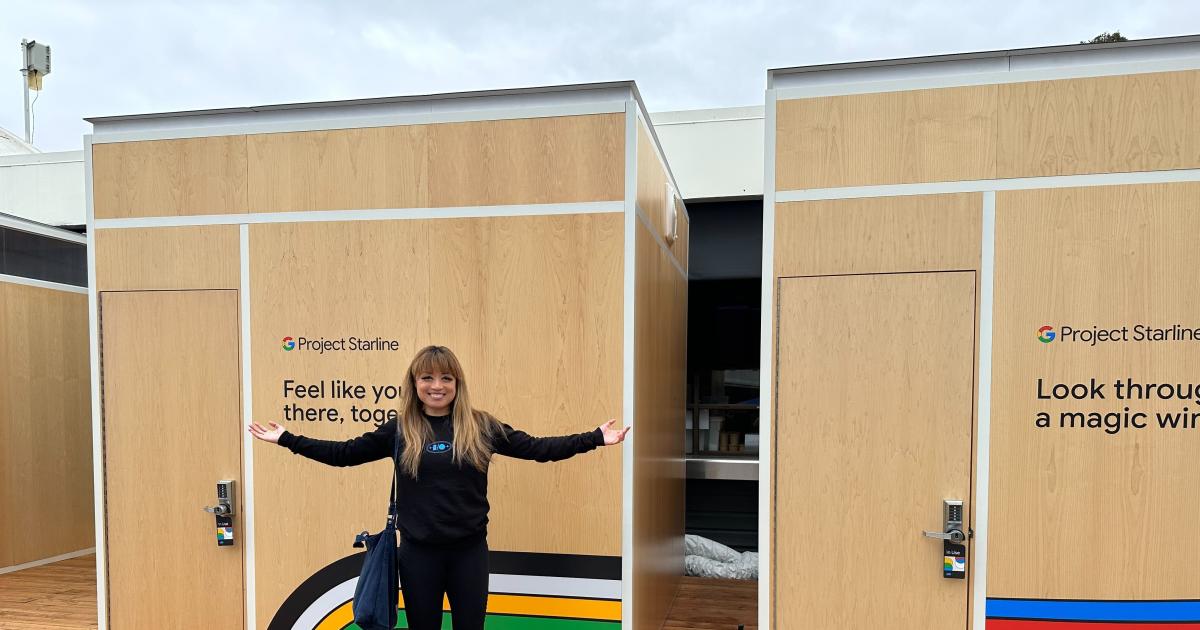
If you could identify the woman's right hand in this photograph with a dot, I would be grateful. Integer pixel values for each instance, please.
(267, 435)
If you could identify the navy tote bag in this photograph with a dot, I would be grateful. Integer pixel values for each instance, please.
(378, 590)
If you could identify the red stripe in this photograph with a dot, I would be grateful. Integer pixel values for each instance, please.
(1025, 624)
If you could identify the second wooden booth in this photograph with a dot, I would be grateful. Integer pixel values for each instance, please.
(45, 429)
(980, 287)
(244, 257)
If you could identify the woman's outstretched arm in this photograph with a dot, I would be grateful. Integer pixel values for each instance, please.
(521, 445)
(368, 447)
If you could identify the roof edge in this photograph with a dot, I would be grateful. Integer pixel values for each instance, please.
(992, 54)
(446, 96)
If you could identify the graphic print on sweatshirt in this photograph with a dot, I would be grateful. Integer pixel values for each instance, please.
(441, 446)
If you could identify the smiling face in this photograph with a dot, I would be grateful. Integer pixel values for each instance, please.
(436, 391)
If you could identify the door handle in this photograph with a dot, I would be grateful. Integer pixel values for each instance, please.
(954, 535)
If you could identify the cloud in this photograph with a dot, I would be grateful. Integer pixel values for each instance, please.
(124, 57)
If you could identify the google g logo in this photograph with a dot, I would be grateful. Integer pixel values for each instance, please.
(289, 344)
(1046, 334)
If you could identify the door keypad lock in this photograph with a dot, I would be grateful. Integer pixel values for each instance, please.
(223, 511)
(954, 552)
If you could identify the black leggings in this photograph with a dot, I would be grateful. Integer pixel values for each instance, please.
(460, 572)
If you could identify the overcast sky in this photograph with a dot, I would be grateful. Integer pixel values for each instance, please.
(132, 57)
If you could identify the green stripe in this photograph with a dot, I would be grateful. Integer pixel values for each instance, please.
(510, 622)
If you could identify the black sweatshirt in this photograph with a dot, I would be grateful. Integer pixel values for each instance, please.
(446, 503)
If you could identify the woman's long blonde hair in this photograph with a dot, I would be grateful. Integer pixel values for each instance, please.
(473, 428)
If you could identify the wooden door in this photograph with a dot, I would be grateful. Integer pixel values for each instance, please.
(172, 428)
(873, 429)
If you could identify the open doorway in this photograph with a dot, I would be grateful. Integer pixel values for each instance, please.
(721, 426)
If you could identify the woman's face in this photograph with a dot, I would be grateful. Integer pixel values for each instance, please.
(436, 391)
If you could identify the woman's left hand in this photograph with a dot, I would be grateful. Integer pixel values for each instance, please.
(611, 435)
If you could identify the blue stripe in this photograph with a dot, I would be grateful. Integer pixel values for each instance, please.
(1094, 610)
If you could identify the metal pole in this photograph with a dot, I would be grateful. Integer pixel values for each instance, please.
(28, 122)
(25, 82)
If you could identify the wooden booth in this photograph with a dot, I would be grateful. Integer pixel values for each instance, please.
(980, 285)
(45, 422)
(247, 256)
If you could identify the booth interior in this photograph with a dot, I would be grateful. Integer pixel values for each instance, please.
(284, 263)
(979, 286)
(45, 422)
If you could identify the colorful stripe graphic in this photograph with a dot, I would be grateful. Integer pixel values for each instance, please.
(1028, 624)
(514, 611)
(517, 623)
(529, 591)
(1060, 614)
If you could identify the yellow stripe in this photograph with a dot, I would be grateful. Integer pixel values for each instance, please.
(534, 606)
(554, 607)
(341, 617)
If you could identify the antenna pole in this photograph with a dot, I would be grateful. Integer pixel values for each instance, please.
(25, 83)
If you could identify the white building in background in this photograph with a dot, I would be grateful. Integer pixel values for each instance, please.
(42, 187)
(10, 144)
(715, 153)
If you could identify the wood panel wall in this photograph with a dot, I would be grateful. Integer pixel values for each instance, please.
(651, 195)
(1079, 513)
(660, 383)
(45, 424)
(876, 235)
(532, 306)
(164, 258)
(1140, 122)
(493, 162)
(888, 138)
(535, 160)
(376, 167)
(1115, 124)
(186, 177)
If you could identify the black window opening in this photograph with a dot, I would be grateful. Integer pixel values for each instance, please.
(39, 257)
(724, 311)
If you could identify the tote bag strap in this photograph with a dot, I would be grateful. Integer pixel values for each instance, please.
(395, 470)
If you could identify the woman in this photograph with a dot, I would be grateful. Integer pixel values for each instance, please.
(446, 445)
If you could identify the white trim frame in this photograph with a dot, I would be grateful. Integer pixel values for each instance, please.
(35, 159)
(382, 214)
(250, 581)
(98, 479)
(41, 229)
(991, 185)
(975, 70)
(627, 386)
(983, 414)
(45, 561)
(293, 123)
(766, 372)
(42, 284)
